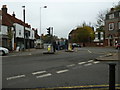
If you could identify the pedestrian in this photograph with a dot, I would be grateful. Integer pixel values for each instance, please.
(66, 44)
(54, 46)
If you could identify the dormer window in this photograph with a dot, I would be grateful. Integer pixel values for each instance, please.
(111, 16)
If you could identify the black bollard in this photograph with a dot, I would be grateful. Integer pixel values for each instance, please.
(112, 76)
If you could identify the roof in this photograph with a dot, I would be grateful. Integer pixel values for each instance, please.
(9, 20)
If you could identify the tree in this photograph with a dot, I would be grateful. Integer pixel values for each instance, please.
(101, 18)
(82, 34)
(117, 7)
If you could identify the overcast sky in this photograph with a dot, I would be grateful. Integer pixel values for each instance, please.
(62, 15)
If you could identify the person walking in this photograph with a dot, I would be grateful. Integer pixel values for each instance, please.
(54, 46)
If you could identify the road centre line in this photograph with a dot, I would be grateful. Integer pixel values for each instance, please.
(62, 71)
(89, 51)
(90, 61)
(45, 75)
(88, 64)
(96, 62)
(39, 72)
(82, 63)
(15, 77)
(71, 65)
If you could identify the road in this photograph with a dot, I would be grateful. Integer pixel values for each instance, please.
(62, 69)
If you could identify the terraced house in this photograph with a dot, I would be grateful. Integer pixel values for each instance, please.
(12, 31)
(112, 27)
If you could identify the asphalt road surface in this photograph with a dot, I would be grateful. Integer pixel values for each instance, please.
(62, 69)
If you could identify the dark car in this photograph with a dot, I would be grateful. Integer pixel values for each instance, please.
(118, 46)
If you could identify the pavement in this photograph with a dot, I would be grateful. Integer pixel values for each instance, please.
(32, 51)
(109, 57)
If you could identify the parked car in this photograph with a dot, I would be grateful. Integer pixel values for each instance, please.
(118, 46)
(76, 45)
(3, 51)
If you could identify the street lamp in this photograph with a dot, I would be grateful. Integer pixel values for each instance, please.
(40, 26)
(24, 25)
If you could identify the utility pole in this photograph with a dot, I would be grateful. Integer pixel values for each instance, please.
(24, 26)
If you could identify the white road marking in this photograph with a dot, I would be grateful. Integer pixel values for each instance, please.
(45, 75)
(90, 61)
(62, 71)
(71, 65)
(89, 51)
(96, 62)
(39, 72)
(15, 77)
(82, 63)
(88, 64)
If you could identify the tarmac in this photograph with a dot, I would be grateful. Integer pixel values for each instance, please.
(110, 57)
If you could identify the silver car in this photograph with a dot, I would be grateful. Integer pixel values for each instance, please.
(3, 51)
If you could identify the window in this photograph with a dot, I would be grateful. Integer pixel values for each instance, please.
(0, 17)
(111, 16)
(20, 32)
(118, 25)
(111, 26)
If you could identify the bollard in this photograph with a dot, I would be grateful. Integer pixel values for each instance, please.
(112, 76)
(49, 48)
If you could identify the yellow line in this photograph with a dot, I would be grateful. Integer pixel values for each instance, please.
(91, 86)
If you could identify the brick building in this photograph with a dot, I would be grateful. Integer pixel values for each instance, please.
(12, 31)
(112, 27)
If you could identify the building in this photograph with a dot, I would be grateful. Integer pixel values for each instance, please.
(112, 27)
(0, 28)
(12, 32)
(99, 38)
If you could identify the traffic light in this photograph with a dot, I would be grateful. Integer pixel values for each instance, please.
(48, 31)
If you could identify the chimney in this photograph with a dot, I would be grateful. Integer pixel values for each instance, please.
(13, 14)
(4, 8)
(112, 9)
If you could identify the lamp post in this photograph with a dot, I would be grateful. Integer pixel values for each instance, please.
(24, 25)
(40, 26)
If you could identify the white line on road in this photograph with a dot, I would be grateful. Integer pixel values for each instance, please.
(89, 51)
(62, 71)
(45, 75)
(96, 62)
(90, 61)
(71, 65)
(88, 64)
(15, 77)
(82, 63)
(39, 72)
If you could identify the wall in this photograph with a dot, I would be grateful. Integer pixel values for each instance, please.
(3, 30)
(19, 30)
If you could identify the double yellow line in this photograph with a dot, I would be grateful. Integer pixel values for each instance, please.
(86, 87)
(89, 87)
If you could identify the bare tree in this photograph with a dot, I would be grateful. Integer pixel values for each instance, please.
(101, 18)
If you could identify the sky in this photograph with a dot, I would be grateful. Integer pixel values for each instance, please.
(62, 15)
